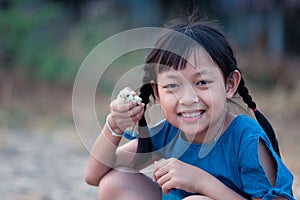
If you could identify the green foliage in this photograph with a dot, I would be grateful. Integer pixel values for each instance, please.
(42, 39)
(28, 39)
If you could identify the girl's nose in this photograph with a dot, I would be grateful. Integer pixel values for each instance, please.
(188, 97)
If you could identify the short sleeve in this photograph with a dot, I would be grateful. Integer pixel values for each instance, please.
(153, 130)
(161, 135)
(253, 177)
(128, 134)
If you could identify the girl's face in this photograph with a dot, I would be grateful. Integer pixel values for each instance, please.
(194, 99)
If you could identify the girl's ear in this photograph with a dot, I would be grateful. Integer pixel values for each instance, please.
(155, 91)
(232, 83)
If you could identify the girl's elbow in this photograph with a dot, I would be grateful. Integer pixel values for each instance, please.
(91, 179)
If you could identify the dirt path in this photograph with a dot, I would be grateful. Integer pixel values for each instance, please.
(43, 167)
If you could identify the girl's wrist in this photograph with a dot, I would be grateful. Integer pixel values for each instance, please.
(111, 125)
(208, 183)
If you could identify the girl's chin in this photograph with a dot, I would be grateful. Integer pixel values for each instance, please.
(192, 130)
(191, 137)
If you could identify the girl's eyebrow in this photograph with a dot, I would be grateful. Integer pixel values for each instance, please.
(203, 72)
(197, 74)
(171, 76)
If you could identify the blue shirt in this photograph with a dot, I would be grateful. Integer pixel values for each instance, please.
(233, 158)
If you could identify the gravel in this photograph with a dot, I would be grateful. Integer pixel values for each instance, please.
(43, 166)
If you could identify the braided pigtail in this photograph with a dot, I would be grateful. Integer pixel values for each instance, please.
(244, 93)
(144, 139)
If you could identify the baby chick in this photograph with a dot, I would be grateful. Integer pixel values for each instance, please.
(127, 95)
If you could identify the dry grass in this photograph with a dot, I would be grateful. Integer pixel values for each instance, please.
(279, 99)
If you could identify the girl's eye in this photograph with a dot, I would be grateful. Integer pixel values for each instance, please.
(202, 83)
(171, 86)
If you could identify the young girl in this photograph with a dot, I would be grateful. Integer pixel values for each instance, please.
(201, 150)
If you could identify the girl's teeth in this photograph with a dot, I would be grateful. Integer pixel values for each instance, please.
(191, 114)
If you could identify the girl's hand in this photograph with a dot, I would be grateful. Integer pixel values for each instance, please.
(173, 173)
(125, 115)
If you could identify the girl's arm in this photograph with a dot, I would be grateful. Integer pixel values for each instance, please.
(173, 173)
(105, 153)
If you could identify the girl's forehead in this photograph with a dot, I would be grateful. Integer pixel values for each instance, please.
(196, 61)
(200, 62)
(199, 57)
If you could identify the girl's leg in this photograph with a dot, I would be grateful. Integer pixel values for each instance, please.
(124, 185)
(197, 197)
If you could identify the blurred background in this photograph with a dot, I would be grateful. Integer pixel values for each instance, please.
(44, 42)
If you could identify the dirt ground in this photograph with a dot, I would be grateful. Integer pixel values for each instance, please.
(39, 166)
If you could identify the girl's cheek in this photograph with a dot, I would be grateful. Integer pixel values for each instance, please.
(214, 93)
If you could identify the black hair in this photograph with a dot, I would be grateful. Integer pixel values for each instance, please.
(208, 36)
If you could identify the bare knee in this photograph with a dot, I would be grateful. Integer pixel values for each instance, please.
(197, 197)
(111, 185)
(122, 185)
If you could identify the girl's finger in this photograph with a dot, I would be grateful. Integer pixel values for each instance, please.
(160, 168)
(125, 111)
(137, 117)
(161, 174)
(163, 179)
(138, 110)
(167, 186)
(115, 106)
(164, 163)
(123, 121)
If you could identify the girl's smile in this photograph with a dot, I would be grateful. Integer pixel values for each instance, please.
(186, 115)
